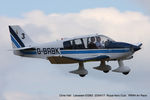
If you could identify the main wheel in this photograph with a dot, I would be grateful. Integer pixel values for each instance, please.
(82, 75)
(125, 73)
(106, 71)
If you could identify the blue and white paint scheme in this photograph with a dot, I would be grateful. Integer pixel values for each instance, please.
(75, 50)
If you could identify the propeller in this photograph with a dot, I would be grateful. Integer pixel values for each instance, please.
(140, 45)
(134, 48)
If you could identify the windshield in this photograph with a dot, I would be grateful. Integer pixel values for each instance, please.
(97, 42)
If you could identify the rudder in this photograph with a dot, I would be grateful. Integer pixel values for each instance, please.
(19, 38)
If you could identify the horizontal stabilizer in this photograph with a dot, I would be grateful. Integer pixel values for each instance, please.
(24, 48)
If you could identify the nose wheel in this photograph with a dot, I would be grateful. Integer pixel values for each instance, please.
(122, 69)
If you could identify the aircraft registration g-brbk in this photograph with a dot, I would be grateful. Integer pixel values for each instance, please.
(75, 50)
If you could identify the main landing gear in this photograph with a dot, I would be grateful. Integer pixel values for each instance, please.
(103, 67)
(81, 71)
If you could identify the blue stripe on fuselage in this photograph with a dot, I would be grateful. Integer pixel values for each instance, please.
(94, 51)
(29, 52)
(15, 42)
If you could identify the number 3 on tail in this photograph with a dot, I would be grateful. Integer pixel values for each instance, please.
(23, 35)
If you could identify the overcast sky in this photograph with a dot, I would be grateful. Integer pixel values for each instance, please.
(49, 20)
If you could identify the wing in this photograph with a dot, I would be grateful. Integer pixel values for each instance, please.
(98, 58)
(70, 60)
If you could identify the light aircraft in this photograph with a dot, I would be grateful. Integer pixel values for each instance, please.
(75, 50)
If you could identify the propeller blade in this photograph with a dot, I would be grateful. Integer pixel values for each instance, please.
(140, 45)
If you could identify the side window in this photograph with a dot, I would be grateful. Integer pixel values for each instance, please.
(91, 41)
(78, 44)
(67, 45)
(74, 44)
(96, 42)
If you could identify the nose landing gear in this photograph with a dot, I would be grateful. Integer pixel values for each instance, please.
(122, 69)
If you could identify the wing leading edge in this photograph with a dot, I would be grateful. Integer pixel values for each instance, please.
(98, 58)
(69, 60)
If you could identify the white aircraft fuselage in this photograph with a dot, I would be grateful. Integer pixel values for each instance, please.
(75, 50)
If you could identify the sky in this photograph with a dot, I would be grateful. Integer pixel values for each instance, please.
(16, 8)
(49, 20)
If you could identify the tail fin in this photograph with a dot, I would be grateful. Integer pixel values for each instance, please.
(19, 38)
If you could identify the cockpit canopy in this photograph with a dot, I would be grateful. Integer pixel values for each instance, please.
(87, 42)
